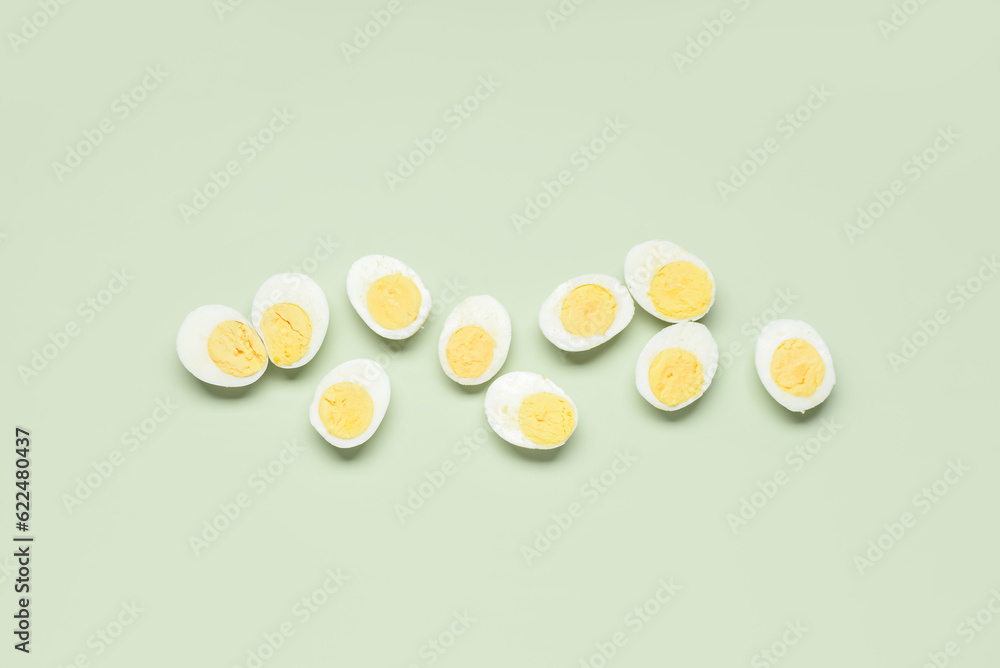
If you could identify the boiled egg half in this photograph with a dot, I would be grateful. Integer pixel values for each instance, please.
(794, 364)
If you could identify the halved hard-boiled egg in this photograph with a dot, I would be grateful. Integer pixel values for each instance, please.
(388, 295)
(291, 314)
(795, 364)
(219, 346)
(350, 403)
(585, 311)
(677, 365)
(669, 282)
(475, 340)
(529, 410)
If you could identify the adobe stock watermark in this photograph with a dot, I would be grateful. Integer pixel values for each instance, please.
(634, 622)
(580, 161)
(958, 297)
(34, 23)
(441, 643)
(247, 151)
(796, 458)
(257, 484)
(101, 640)
(563, 520)
(303, 610)
(433, 480)
(321, 252)
(7, 568)
(88, 310)
(121, 108)
(698, 43)
(562, 12)
(913, 169)
(967, 631)
(454, 117)
(134, 438)
(783, 300)
(777, 650)
(901, 14)
(324, 249)
(787, 127)
(365, 34)
(223, 8)
(923, 502)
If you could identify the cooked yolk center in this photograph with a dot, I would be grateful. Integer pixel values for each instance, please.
(588, 310)
(681, 290)
(675, 376)
(470, 352)
(546, 418)
(346, 410)
(797, 368)
(394, 301)
(236, 349)
(287, 332)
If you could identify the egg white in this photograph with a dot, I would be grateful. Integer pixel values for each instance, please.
(504, 399)
(305, 293)
(192, 345)
(773, 335)
(369, 269)
(369, 375)
(551, 325)
(647, 258)
(489, 314)
(690, 336)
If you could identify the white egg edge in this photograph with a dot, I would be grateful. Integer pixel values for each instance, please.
(462, 316)
(305, 293)
(370, 375)
(773, 335)
(358, 283)
(666, 252)
(549, 315)
(506, 426)
(677, 336)
(192, 345)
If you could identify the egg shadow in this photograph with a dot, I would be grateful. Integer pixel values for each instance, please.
(680, 413)
(348, 454)
(532, 454)
(288, 375)
(219, 392)
(782, 413)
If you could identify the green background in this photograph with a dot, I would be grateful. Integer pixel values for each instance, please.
(323, 178)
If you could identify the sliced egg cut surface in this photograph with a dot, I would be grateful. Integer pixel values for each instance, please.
(585, 312)
(291, 314)
(530, 411)
(350, 402)
(677, 366)
(669, 282)
(794, 364)
(475, 340)
(220, 347)
(388, 295)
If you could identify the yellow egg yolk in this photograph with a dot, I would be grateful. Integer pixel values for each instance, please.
(470, 351)
(287, 332)
(675, 376)
(546, 418)
(588, 310)
(797, 368)
(236, 349)
(394, 301)
(681, 290)
(346, 410)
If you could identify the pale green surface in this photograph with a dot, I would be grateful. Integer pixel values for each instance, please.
(665, 517)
